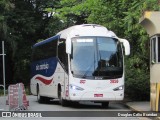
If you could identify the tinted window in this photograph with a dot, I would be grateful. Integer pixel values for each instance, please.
(45, 51)
(63, 57)
(96, 56)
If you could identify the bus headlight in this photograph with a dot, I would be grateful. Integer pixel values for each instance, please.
(118, 88)
(74, 87)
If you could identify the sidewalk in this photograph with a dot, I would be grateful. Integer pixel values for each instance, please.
(139, 106)
(3, 106)
(142, 107)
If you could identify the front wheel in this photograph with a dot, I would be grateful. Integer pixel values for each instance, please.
(105, 104)
(61, 100)
(40, 99)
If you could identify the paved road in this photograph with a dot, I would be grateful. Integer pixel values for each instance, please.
(54, 105)
(84, 107)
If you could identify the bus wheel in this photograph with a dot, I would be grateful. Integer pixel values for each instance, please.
(61, 100)
(105, 104)
(39, 98)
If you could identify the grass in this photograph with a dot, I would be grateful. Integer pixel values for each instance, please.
(2, 92)
(27, 90)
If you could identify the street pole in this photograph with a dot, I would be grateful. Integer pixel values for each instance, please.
(4, 81)
(4, 74)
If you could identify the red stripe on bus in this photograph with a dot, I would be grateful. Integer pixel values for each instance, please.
(45, 81)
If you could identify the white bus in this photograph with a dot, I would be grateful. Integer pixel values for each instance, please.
(81, 63)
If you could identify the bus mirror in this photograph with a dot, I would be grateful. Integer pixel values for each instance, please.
(68, 46)
(126, 46)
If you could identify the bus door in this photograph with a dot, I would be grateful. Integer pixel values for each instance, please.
(63, 68)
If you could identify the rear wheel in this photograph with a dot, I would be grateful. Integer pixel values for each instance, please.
(105, 104)
(40, 98)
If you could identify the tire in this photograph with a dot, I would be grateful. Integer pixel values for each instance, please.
(74, 103)
(40, 99)
(61, 100)
(105, 104)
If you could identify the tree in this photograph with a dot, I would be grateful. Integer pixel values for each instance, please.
(28, 23)
(5, 7)
(121, 17)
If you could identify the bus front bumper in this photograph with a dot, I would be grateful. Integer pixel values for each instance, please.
(97, 96)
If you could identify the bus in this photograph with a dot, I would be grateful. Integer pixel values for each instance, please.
(81, 63)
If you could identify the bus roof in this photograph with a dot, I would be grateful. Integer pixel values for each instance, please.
(46, 40)
(80, 30)
(86, 30)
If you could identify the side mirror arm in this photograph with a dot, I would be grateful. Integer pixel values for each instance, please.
(126, 45)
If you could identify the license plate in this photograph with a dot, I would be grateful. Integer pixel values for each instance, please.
(98, 95)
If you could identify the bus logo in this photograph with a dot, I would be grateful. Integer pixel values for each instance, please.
(42, 66)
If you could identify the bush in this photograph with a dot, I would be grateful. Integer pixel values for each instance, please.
(137, 82)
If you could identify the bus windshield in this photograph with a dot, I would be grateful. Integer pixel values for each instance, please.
(96, 57)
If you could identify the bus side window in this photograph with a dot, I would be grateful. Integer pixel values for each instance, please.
(62, 55)
(45, 51)
(37, 53)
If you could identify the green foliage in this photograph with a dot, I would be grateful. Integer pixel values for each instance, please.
(5, 6)
(28, 22)
(137, 85)
(2, 92)
(27, 90)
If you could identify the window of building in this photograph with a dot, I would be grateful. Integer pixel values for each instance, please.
(155, 49)
(158, 49)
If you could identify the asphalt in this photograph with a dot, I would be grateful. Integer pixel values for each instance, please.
(141, 106)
